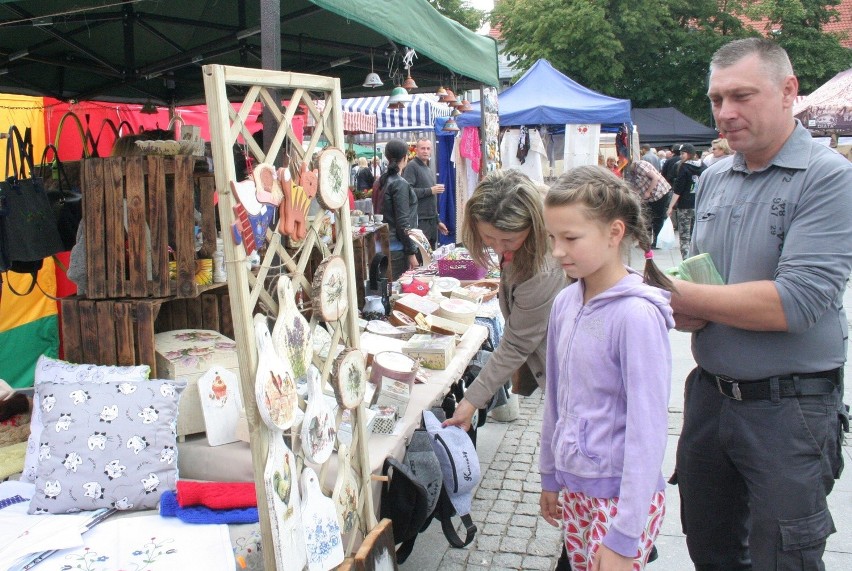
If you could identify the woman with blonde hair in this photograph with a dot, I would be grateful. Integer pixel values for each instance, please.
(364, 178)
(504, 216)
(719, 149)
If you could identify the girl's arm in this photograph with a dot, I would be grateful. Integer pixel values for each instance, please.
(645, 356)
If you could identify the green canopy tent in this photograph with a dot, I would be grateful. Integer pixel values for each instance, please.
(150, 50)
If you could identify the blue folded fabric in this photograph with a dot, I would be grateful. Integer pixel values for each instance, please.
(169, 507)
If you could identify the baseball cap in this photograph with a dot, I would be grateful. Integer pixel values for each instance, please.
(687, 148)
(459, 461)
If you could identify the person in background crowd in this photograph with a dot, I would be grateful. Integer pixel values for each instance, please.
(364, 178)
(605, 423)
(662, 155)
(399, 208)
(650, 186)
(650, 155)
(612, 165)
(422, 179)
(719, 149)
(504, 215)
(763, 412)
(684, 195)
(376, 167)
(669, 170)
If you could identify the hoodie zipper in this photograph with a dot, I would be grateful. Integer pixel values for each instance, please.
(570, 343)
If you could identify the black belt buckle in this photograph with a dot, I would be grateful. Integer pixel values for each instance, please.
(736, 394)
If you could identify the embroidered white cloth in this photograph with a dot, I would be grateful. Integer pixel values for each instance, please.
(581, 145)
(152, 543)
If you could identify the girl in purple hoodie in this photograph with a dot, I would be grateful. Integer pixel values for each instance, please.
(608, 375)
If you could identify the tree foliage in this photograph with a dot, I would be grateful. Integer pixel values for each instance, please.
(461, 12)
(657, 53)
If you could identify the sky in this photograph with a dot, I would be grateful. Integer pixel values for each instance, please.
(482, 5)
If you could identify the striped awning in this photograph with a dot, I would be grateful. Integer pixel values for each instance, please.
(419, 114)
(354, 122)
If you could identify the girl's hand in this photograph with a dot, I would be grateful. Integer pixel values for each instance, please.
(462, 416)
(606, 559)
(412, 262)
(551, 511)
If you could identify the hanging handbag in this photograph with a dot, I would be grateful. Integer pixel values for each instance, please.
(65, 200)
(28, 232)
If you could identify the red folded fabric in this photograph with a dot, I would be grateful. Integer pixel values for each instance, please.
(216, 495)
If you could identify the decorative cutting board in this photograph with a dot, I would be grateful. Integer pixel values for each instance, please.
(275, 387)
(318, 430)
(291, 334)
(220, 403)
(284, 503)
(322, 530)
(345, 494)
(349, 378)
(333, 178)
(329, 285)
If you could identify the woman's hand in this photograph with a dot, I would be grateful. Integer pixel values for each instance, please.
(412, 262)
(462, 416)
(551, 511)
(605, 559)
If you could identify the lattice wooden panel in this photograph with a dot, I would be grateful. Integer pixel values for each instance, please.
(253, 292)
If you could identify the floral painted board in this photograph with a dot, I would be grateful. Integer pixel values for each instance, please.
(333, 179)
(219, 391)
(275, 387)
(283, 499)
(291, 334)
(318, 429)
(322, 531)
(149, 543)
(349, 378)
(345, 494)
(329, 287)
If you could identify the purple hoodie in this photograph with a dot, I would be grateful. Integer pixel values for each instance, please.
(606, 402)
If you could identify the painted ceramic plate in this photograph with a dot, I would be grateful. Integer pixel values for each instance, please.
(333, 179)
(322, 531)
(349, 378)
(330, 296)
(318, 429)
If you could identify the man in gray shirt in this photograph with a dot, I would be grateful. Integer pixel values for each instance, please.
(420, 176)
(763, 414)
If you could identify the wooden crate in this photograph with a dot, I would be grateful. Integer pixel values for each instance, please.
(121, 332)
(139, 215)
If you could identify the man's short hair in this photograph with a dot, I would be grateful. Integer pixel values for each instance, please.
(644, 148)
(770, 53)
(421, 139)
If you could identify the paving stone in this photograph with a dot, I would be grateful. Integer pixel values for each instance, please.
(535, 562)
(517, 475)
(498, 517)
(519, 532)
(486, 494)
(524, 521)
(493, 529)
(491, 483)
(509, 495)
(490, 543)
(530, 497)
(480, 557)
(508, 560)
(477, 568)
(500, 466)
(525, 450)
(514, 545)
(528, 509)
(447, 565)
(503, 457)
(515, 485)
(528, 458)
(528, 486)
(544, 547)
(504, 506)
(457, 555)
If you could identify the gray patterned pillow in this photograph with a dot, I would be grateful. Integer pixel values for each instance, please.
(106, 445)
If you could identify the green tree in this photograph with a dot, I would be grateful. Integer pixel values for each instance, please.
(657, 53)
(461, 12)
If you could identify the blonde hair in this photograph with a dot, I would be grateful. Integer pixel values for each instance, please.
(362, 162)
(722, 144)
(607, 198)
(511, 202)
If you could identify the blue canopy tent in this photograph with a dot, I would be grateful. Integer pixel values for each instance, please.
(544, 96)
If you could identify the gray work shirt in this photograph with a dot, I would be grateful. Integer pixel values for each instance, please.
(791, 223)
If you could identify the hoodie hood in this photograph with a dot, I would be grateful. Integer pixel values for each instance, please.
(633, 285)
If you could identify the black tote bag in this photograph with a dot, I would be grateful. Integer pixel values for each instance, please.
(28, 231)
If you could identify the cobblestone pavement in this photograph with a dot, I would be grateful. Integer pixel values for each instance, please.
(505, 508)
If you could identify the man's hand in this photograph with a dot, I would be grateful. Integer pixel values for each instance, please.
(551, 511)
(605, 559)
(462, 416)
(438, 189)
(442, 228)
(412, 262)
(688, 323)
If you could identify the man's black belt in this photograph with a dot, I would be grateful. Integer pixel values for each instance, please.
(796, 385)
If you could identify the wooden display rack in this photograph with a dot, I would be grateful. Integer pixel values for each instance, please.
(247, 290)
